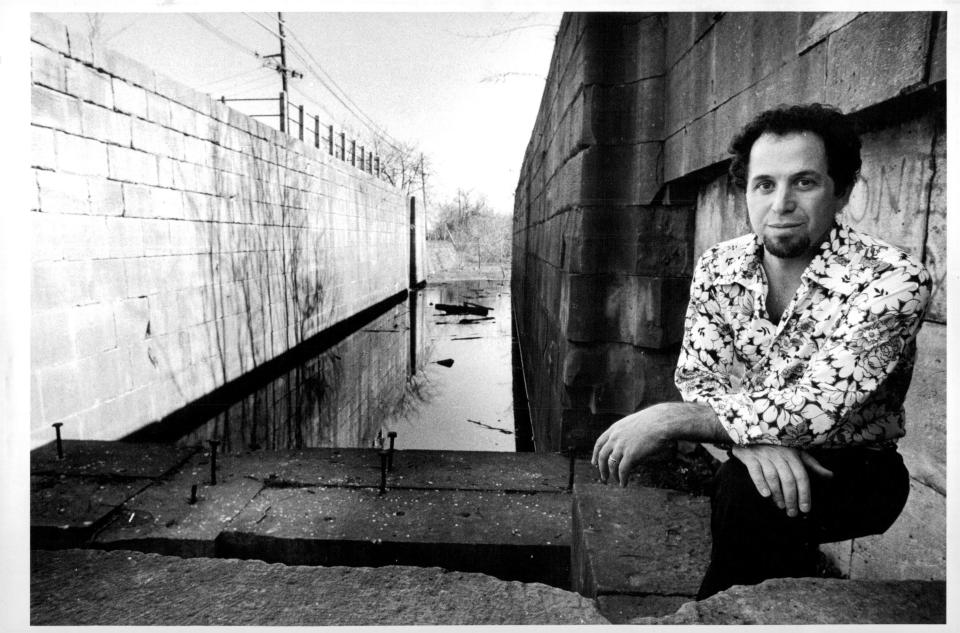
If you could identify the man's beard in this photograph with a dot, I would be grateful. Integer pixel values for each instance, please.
(788, 247)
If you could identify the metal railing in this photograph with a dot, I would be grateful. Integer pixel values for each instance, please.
(357, 155)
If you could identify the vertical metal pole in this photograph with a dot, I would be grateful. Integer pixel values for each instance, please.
(413, 242)
(283, 53)
(301, 121)
(330, 128)
(283, 111)
(362, 155)
(353, 153)
(343, 146)
(316, 131)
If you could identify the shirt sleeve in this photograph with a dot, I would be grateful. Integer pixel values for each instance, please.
(874, 335)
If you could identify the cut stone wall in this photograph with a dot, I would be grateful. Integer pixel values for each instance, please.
(623, 186)
(177, 244)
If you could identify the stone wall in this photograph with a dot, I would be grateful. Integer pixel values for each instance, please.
(623, 186)
(177, 244)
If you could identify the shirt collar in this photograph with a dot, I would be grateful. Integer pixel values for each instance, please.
(828, 268)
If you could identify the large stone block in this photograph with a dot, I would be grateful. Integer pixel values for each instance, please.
(63, 193)
(621, 114)
(56, 110)
(78, 155)
(643, 311)
(891, 198)
(88, 84)
(43, 153)
(51, 340)
(105, 125)
(876, 57)
(924, 446)
(129, 99)
(626, 174)
(47, 31)
(47, 68)
(131, 165)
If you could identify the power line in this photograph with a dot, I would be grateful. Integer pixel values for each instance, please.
(318, 70)
(223, 36)
(236, 76)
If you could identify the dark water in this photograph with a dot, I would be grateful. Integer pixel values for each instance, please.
(385, 377)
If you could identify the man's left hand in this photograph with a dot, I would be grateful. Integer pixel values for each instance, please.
(781, 472)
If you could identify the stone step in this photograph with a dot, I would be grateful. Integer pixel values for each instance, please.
(88, 587)
(817, 601)
(637, 550)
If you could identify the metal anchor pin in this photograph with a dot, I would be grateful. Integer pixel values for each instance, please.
(57, 425)
(213, 461)
(383, 471)
(393, 436)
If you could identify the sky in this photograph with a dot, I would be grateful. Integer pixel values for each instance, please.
(463, 87)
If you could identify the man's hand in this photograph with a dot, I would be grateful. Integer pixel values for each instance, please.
(626, 442)
(781, 471)
(644, 433)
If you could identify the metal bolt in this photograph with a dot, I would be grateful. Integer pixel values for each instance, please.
(572, 469)
(383, 471)
(213, 461)
(57, 425)
(193, 494)
(393, 436)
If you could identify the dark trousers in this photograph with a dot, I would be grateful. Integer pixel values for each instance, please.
(754, 540)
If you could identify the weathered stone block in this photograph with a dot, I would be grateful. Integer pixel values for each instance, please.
(158, 110)
(628, 174)
(638, 541)
(622, 114)
(88, 84)
(47, 31)
(127, 69)
(876, 57)
(61, 392)
(47, 68)
(799, 601)
(43, 153)
(93, 329)
(924, 446)
(51, 341)
(63, 193)
(125, 237)
(129, 99)
(52, 109)
(78, 155)
(130, 165)
(815, 27)
(643, 311)
(938, 51)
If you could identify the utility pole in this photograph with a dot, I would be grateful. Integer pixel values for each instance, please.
(284, 71)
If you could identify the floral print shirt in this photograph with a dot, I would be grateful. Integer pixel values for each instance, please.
(833, 372)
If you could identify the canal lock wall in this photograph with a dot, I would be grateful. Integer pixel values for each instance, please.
(623, 186)
(178, 244)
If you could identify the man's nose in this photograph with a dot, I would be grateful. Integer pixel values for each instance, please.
(783, 201)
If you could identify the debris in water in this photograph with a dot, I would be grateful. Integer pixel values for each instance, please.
(465, 338)
(464, 308)
(492, 428)
(446, 362)
(475, 320)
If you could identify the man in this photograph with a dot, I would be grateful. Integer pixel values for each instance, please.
(822, 320)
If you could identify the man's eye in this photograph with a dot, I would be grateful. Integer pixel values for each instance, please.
(806, 183)
(764, 185)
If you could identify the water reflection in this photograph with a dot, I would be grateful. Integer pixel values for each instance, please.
(386, 377)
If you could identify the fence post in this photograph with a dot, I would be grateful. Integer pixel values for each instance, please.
(330, 127)
(283, 111)
(343, 146)
(362, 155)
(301, 121)
(353, 153)
(376, 165)
(316, 131)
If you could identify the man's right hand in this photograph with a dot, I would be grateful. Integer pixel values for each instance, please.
(781, 471)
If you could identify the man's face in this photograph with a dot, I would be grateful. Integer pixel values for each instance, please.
(790, 197)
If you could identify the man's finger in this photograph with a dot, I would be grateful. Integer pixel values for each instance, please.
(801, 481)
(789, 483)
(756, 474)
(623, 474)
(598, 445)
(773, 481)
(811, 462)
(602, 461)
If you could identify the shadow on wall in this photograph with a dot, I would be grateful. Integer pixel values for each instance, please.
(267, 290)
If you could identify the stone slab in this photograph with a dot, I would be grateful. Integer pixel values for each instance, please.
(817, 601)
(514, 536)
(639, 541)
(87, 587)
(164, 520)
(622, 609)
(412, 469)
(65, 511)
(108, 459)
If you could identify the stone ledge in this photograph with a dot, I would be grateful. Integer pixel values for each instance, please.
(87, 587)
(818, 601)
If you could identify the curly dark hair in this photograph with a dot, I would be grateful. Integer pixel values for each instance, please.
(839, 139)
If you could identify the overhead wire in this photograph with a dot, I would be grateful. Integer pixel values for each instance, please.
(223, 36)
(235, 77)
(317, 71)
